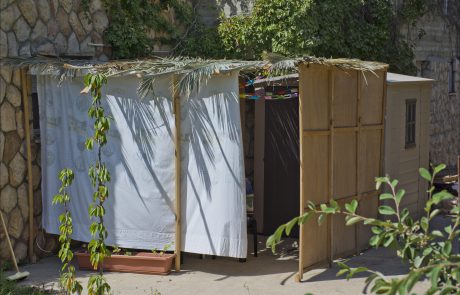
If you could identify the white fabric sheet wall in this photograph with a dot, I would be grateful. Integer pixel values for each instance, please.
(140, 156)
(213, 181)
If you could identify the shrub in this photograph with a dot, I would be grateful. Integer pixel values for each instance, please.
(428, 252)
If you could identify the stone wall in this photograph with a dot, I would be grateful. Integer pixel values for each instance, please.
(444, 115)
(51, 27)
(434, 51)
(13, 183)
(28, 27)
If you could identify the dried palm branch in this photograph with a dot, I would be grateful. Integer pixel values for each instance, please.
(281, 65)
(192, 73)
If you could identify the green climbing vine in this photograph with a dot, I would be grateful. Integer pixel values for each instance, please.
(99, 176)
(136, 26)
(67, 280)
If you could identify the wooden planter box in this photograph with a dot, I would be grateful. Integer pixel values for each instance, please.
(142, 262)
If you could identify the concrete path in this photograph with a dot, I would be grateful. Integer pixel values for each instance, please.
(266, 274)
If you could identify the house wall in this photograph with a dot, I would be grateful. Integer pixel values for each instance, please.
(400, 162)
(28, 27)
(434, 51)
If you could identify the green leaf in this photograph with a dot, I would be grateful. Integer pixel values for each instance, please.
(379, 181)
(441, 196)
(376, 230)
(351, 207)
(290, 225)
(386, 210)
(437, 233)
(334, 205)
(385, 196)
(388, 241)
(342, 265)
(434, 276)
(353, 220)
(418, 261)
(447, 249)
(89, 143)
(448, 229)
(321, 218)
(424, 223)
(374, 241)
(354, 271)
(434, 213)
(399, 195)
(341, 272)
(427, 251)
(439, 168)
(425, 174)
(304, 218)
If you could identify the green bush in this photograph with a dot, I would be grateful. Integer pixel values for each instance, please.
(428, 252)
(365, 29)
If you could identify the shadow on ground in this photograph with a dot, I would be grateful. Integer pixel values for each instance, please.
(266, 272)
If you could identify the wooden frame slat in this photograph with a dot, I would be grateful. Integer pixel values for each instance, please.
(25, 84)
(326, 132)
(177, 144)
(358, 152)
(330, 228)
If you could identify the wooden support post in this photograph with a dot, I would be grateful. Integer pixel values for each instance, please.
(330, 219)
(177, 144)
(25, 100)
(358, 154)
(302, 195)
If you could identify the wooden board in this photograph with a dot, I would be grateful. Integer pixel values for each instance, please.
(341, 125)
(403, 162)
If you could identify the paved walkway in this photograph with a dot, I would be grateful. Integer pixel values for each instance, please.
(266, 274)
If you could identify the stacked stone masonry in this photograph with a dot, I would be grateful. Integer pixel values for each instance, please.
(51, 27)
(435, 53)
(29, 28)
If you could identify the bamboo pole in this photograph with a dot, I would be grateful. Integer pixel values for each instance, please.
(177, 144)
(25, 98)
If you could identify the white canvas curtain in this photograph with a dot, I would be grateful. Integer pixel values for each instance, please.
(140, 156)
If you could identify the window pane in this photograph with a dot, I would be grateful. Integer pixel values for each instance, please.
(410, 122)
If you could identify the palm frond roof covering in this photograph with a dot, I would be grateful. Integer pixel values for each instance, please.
(191, 72)
(279, 63)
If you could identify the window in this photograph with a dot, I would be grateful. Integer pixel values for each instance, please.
(410, 122)
(452, 76)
